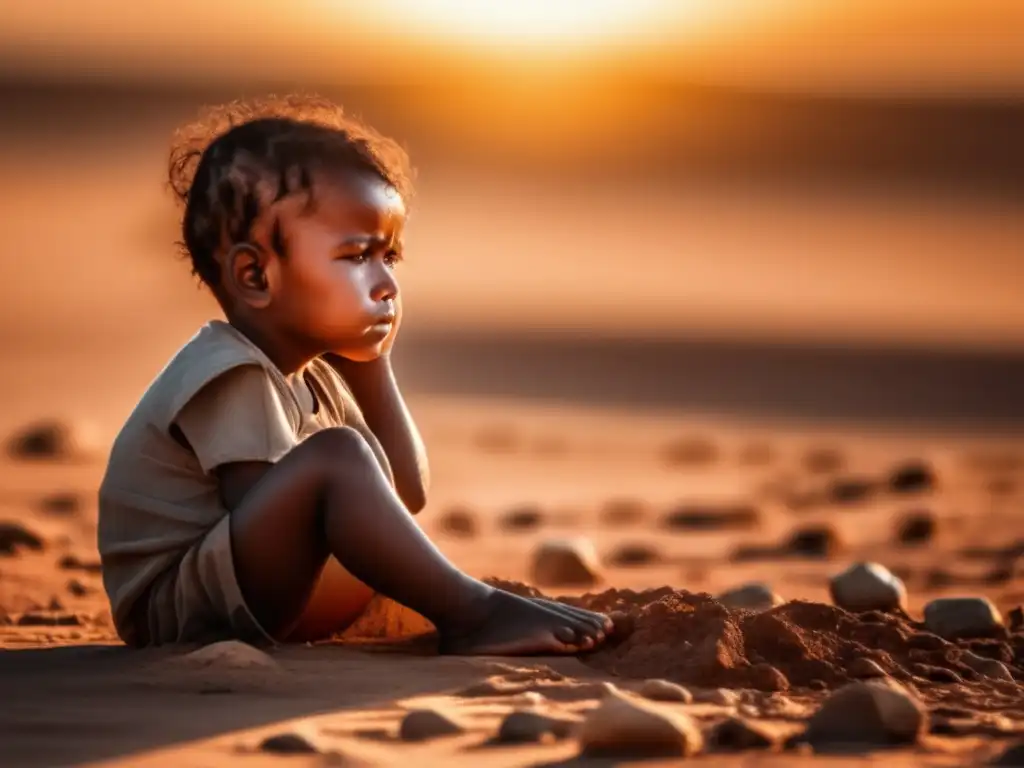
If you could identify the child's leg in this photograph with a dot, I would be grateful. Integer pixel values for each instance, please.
(329, 496)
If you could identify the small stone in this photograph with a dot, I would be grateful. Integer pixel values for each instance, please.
(229, 654)
(523, 727)
(424, 724)
(15, 536)
(49, 619)
(739, 734)
(916, 528)
(814, 541)
(634, 554)
(663, 690)
(722, 697)
(959, 617)
(77, 588)
(850, 490)
(824, 460)
(623, 511)
(869, 713)
(289, 743)
(61, 503)
(865, 668)
(460, 522)
(755, 596)
(53, 439)
(912, 477)
(987, 667)
(713, 517)
(524, 518)
(692, 451)
(868, 587)
(626, 727)
(566, 562)
(72, 563)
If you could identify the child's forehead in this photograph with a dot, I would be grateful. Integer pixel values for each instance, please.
(354, 200)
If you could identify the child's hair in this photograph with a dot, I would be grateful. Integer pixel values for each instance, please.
(240, 157)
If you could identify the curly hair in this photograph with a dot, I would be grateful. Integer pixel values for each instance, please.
(240, 157)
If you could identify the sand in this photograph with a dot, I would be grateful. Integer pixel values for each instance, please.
(74, 695)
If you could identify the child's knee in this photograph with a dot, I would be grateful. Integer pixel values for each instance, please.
(338, 444)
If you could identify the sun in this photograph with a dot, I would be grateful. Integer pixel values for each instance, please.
(563, 24)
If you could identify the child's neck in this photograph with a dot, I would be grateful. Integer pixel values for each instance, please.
(283, 352)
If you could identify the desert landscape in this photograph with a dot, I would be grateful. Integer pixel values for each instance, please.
(729, 344)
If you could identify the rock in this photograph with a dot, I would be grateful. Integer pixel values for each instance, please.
(721, 697)
(524, 518)
(290, 743)
(987, 667)
(750, 597)
(623, 511)
(72, 563)
(663, 690)
(692, 451)
(424, 724)
(868, 713)
(229, 654)
(959, 617)
(53, 439)
(628, 727)
(633, 554)
(850, 490)
(1011, 757)
(865, 668)
(566, 562)
(814, 541)
(824, 460)
(49, 619)
(868, 587)
(916, 528)
(522, 727)
(713, 517)
(62, 503)
(77, 588)
(739, 734)
(765, 677)
(15, 537)
(912, 477)
(460, 522)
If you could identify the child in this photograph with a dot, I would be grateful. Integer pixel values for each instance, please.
(263, 486)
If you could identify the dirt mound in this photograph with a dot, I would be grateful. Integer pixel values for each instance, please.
(691, 638)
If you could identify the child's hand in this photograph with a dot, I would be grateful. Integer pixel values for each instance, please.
(381, 351)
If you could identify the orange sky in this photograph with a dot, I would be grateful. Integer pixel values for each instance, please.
(966, 45)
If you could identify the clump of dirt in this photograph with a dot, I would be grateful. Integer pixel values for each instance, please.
(692, 639)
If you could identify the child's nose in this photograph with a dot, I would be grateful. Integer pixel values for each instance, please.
(386, 287)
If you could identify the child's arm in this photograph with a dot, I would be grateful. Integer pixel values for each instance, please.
(376, 391)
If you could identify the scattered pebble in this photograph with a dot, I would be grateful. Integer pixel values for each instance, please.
(460, 522)
(814, 541)
(739, 734)
(987, 667)
(916, 528)
(290, 743)
(850, 490)
(229, 654)
(957, 617)
(523, 518)
(750, 597)
(49, 619)
(912, 477)
(52, 439)
(868, 587)
(522, 727)
(869, 713)
(15, 536)
(865, 668)
(623, 511)
(824, 460)
(633, 554)
(712, 517)
(691, 450)
(663, 690)
(627, 727)
(566, 562)
(424, 724)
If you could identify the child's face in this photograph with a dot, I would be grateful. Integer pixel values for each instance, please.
(335, 288)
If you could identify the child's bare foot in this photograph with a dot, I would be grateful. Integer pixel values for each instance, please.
(509, 625)
(598, 620)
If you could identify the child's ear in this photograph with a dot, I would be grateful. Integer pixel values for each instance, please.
(247, 271)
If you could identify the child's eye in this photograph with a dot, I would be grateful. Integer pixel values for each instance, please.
(391, 259)
(357, 258)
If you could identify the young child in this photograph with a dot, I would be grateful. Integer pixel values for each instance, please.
(263, 486)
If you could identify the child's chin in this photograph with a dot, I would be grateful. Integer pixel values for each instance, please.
(362, 354)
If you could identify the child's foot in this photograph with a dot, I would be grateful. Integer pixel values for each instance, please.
(598, 620)
(516, 626)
